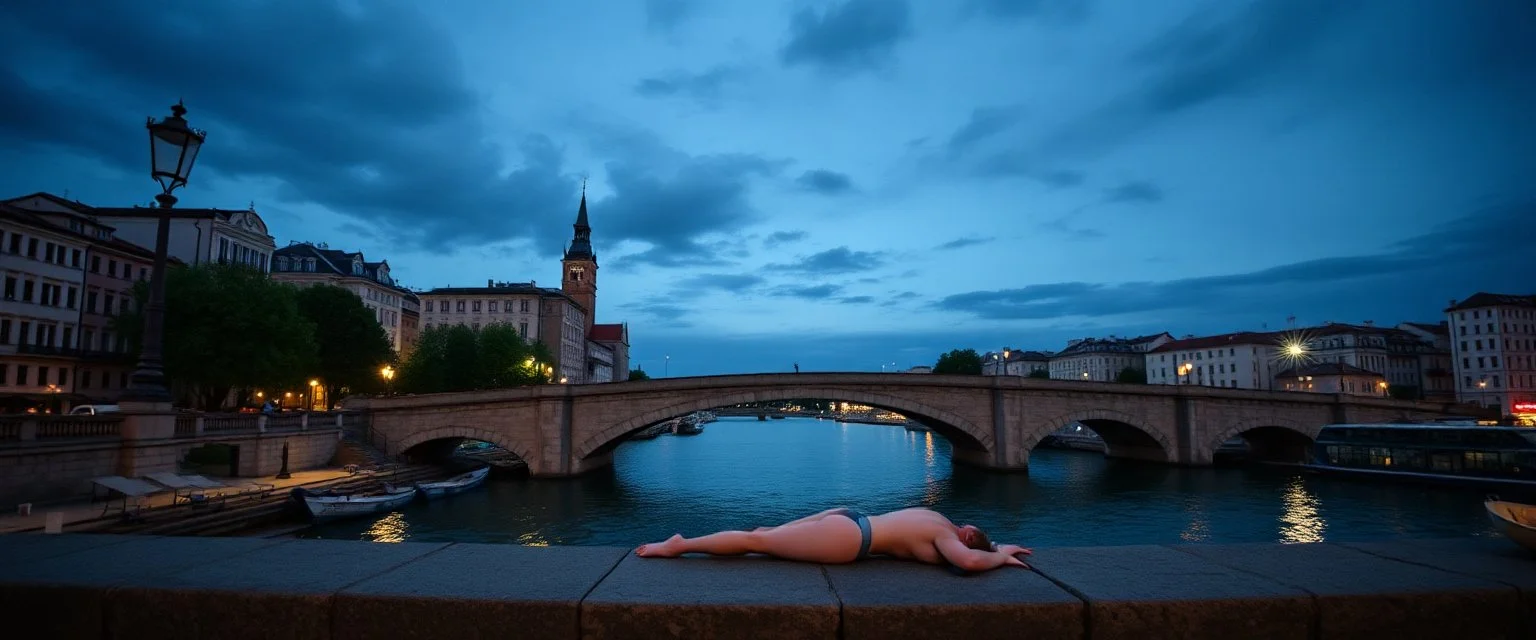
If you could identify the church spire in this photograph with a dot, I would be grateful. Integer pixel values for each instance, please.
(581, 243)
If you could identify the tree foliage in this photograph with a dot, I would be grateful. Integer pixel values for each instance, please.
(639, 374)
(961, 361)
(1132, 375)
(1040, 373)
(226, 327)
(351, 346)
(459, 358)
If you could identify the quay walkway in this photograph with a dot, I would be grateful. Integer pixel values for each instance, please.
(126, 587)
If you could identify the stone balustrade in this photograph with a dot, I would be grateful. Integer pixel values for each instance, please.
(16, 430)
(120, 587)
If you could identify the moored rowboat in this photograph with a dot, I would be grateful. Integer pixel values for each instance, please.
(455, 485)
(324, 506)
(1516, 521)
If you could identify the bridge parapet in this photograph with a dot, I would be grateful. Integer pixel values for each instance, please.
(106, 586)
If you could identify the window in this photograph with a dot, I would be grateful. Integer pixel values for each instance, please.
(42, 376)
(85, 379)
(48, 250)
(106, 309)
(95, 264)
(24, 334)
(69, 338)
(143, 273)
(10, 288)
(15, 243)
(477, 306)
(32, 248)
(122, 305)
(460, 306)
(75, 258)
(429, 306)
(26, 290)
(21, 375)
(491, 306)
(73, 294)
(525, 306)
(112, 268)
(5, 330)
(63, 376)
(522, 329)
(88, 340)
(90, 302)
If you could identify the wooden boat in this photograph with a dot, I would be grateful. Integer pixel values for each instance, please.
(332, 506)
(455, 485)
(1516, 521)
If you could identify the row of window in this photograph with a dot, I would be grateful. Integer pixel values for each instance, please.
(234, 252)
(64, 255)
(1516, 381)
(1513, 314)
(473, 306)
(522, 327)
(60, 336)
(60, 377)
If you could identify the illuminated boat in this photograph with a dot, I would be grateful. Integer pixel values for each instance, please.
(333, 506)
(1516, 521)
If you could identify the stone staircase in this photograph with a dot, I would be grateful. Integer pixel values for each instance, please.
(355, 448)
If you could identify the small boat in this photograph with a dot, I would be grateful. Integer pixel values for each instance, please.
(455, 485)
(1516, 521)
(331, 506)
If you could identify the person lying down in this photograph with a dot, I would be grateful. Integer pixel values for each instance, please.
(838, 536)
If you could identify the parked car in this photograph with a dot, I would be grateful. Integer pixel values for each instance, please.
(93, 409)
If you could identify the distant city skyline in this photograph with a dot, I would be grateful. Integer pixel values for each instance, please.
(843, 184)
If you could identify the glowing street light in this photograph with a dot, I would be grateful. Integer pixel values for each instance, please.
(1184, 370)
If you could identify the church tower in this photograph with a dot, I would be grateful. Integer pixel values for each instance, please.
(579, 279)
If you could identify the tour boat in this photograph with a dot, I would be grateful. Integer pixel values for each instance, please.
(455, 485)
(331, 506)
(1492, 457)
(1516, 521)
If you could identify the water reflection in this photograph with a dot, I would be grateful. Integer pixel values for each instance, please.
(742, 474)
(1300, 521)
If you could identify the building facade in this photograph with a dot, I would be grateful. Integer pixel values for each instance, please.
(1102, 359)
(1332, 377)
(607, 344)
(197, 236)
(1493, 341)
(1242, 360)
(304, 264)
(539, 314)
(1437, 377)
(410, 322)
(1014, 363)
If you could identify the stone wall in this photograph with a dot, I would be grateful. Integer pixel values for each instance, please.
(53, 471)
(100, 586)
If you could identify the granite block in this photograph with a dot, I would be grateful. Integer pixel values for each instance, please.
(477, 591)
(280, 591)
(1494, 559)
(694, 597)
(66, 594)
(23, 547)
(1362, 595)
(1144, 592)
(892, 600)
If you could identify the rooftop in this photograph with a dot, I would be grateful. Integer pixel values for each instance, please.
(1480, 299)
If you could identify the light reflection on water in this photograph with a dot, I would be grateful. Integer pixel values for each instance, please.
(744, 473)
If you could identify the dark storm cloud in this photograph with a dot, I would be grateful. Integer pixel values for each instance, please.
(833, 261)
(666, 15)
(808, 292)
(778, 238)
(851, 36)
(961, 243)
(966, 151)
(1138, 192)
(825, 182)
(1421, 272)
(1048, 10)
(704, 87)
(729, 282)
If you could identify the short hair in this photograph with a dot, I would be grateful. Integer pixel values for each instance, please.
(981, 542)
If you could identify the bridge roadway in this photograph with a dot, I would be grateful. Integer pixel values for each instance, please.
(123, 587)
(991, 422)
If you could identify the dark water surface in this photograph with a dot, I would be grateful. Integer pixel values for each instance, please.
(741, 473)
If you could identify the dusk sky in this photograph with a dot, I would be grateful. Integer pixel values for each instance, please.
(842, 184)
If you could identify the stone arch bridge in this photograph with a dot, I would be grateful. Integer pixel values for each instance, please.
(991, 422)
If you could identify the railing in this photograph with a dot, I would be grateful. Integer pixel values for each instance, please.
(10, 428)
(80, 427)
(290, 421)
(186, 426)
(229, 423)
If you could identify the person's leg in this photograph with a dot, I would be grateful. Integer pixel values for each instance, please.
(828, 540)
(810, 518)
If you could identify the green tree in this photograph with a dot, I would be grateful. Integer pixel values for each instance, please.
(1040, 373)
(1403, 392)
(351, 346)
(227, 327)
(458, 358)
(961, 361)
(639, 374)
(1131, 375)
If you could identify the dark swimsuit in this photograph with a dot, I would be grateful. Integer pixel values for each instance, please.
(865, 533)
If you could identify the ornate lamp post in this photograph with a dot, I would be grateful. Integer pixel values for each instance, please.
(173, 148)
(388, 373)
(1184, 370)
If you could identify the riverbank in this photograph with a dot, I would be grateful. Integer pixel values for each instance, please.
(103, 586)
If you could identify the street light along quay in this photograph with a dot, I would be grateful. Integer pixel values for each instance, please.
(173, 148)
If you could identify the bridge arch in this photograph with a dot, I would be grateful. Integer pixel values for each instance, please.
(960, 432)
(1272, 438)
(1124, 435)
(406, 443)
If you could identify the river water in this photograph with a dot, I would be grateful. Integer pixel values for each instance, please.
(742, 473)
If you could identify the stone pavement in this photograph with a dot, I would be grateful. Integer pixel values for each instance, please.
(126, 587)
(82, 509)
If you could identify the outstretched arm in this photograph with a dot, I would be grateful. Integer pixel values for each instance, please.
(970, 559)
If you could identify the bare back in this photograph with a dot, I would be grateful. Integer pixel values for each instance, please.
(910, 534)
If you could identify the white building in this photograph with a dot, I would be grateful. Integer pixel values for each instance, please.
(1102, 359)
(1243, 360)
(197, 236)
(1402, 357)
(304, 264)
(1493, 340)
(1332, 377)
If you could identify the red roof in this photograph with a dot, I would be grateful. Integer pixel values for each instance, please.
(607, 333)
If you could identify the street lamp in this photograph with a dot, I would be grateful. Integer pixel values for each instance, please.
(1184, 370)
(314, 386)
(388, 373)
(173, 148)
(666, 367)
(1482, 392)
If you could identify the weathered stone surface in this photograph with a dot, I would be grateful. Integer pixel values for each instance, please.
(477, 591)
(1494, 559)
(25, 547)
(1144, 592)
(62, 589)
(1361, 595)
(692, 597)
(280, 591)
(891, 600)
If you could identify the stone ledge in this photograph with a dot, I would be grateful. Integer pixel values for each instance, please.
(119, 587)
